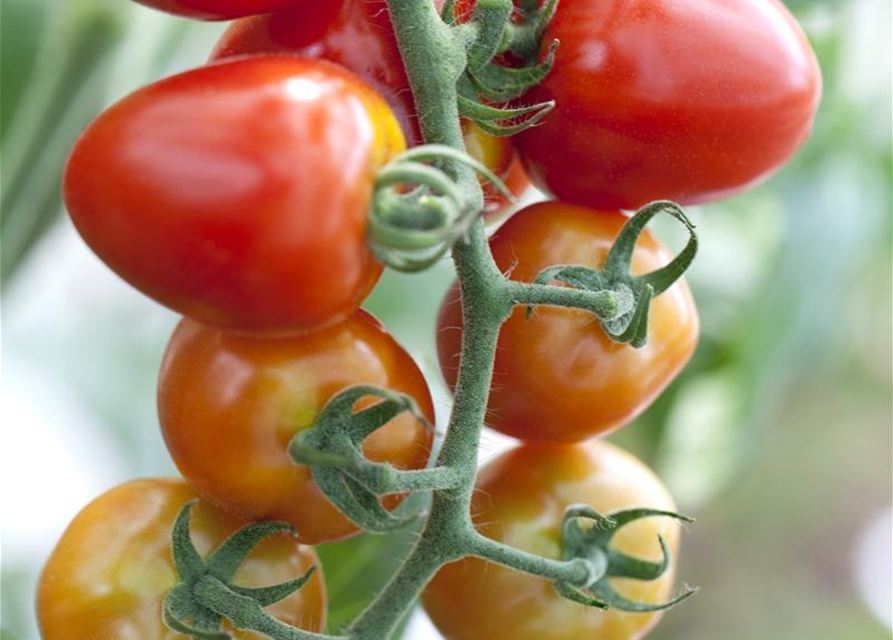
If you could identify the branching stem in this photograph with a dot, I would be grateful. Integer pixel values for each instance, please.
(435, 56)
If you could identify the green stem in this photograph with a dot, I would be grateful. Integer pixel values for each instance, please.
(247, 614)
(435, 58)
(604, 304)
(577, 571)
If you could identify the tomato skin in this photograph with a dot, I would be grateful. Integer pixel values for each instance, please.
(244, 222)
(229, 405)
(358, 35)
(557, 375)
(220, 9)
(658, 99)
(109, 573)
(520, 498)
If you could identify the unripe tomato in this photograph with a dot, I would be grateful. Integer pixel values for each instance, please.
(661, 99)
(111, 570)
(520, 499)
(358, 35)
(237, 193)
(229, 405)
(557, 375)
(220, 9)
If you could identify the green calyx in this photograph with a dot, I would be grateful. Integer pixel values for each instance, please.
(332, 448)
(187, 611)
(419, 209)
(587, 534)
(634, 292)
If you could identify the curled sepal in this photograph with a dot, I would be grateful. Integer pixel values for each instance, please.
(501, 84)
(332, 448)
(634, 293)
(502, 122)
(587, 534)
(419, 209)
(183, 610)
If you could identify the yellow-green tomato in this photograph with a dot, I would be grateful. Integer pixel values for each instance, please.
(520, 499)
(108, 575)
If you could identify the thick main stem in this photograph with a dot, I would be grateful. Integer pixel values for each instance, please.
(434, 61)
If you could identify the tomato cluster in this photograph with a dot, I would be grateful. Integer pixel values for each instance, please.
(237, 194)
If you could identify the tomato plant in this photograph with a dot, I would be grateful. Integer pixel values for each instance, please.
(557, 375)
(110, 571)
(229, 405)
(219, 9)
(358, 35)
(659, 99)
(245, 222)
(261, 196)
(519, 500)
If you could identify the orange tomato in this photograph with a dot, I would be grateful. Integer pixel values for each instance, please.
(520, 499)
(108, 575)
(230, 404)
(557, 375)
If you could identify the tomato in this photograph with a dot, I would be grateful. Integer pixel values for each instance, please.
(237, 193)
(229, 405)
(358, 35)
(659, 99)
(520, 499)
(109, 573)
(557, 375)
(220, 9)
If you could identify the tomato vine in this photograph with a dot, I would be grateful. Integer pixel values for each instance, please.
(460, 58)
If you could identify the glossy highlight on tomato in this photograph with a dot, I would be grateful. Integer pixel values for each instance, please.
(222, 9)
(520, 498)
(237, 193)
(659, 99)
(229, 405)
(358, 35)
(557, 375)
(108, 575)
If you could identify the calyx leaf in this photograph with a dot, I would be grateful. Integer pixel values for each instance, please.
(332, 448)
(183, 610)
(587, 534)
(632, 326)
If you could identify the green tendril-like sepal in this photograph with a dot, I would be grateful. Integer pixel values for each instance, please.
(587, 534)
(205, 594)
(633, 294)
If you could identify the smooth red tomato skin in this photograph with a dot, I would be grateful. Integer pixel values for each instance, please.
(237, 193)
(222, 9)
(358, 35)
(229, 405)
(519, 500)
(109, 573)
(557, 375)
(658, 99)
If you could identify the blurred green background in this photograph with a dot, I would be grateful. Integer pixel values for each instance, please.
(777, 437)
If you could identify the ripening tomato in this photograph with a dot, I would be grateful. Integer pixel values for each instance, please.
(520, 499)
(358, 35)
(229, 405)
(558, 376)
(111, 570)
(659, 99)
(220, 9)
(237, 193)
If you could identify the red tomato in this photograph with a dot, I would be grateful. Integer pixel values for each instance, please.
(660, 99)
(229, 405)
(237, 193)
(358, 35)
(221, 9)
(111, 570)
(558, 377)
(520, 499)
